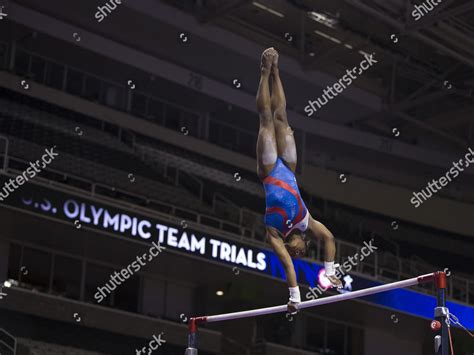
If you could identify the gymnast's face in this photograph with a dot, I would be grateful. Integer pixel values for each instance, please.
(295, 245)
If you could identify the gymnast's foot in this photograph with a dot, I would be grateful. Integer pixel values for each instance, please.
(275, 62)
(268, 56)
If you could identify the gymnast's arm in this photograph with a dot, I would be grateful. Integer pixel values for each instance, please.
(319, 231)
(279, 248)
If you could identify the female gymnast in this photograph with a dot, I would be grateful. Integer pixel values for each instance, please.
(287, 220)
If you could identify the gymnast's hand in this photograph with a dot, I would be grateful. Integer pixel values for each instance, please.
(293, 307)
(335, 281)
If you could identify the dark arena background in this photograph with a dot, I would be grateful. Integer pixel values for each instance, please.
(130, 203)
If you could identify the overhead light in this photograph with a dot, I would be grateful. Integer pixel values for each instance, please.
(336, 40)
(220, 293)
(7, 283)
(329, 37)
(311, 54)
(267, 9)
(323, 19)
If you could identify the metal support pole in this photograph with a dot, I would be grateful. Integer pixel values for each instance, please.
(192, 338)
(441, 340)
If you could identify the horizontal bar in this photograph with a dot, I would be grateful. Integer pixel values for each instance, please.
(318, 302)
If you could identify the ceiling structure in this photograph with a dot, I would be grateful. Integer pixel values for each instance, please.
(425, 68)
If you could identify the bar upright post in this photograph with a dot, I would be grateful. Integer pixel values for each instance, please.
(441, 315)
(192, 338)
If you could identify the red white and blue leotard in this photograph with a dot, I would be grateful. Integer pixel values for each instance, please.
(286, 210)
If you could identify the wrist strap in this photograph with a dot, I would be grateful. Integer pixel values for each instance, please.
(295, 294)
(329, 267)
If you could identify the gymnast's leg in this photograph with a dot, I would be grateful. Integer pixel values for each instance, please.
(286, 146)
(266, 142)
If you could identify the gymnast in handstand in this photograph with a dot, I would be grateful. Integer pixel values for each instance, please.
(287, 220)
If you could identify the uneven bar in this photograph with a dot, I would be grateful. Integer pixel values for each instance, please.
(317, 302)
(438, 277)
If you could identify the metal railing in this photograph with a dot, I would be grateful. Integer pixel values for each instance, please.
(8, 343)
(249, 222)
(57, 178)
(92, 87)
